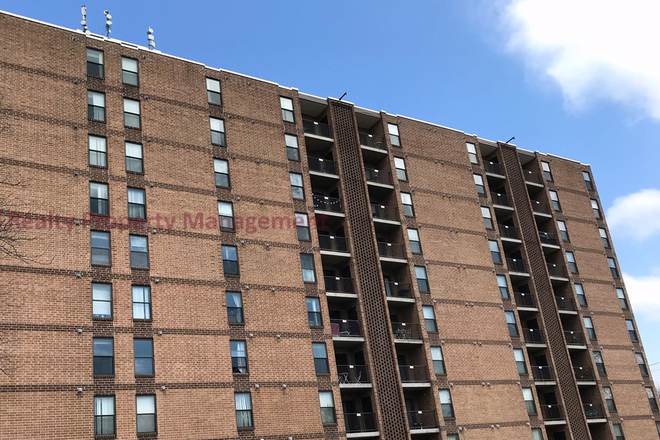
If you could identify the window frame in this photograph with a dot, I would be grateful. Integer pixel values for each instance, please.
(422, 283)
(632, 332)
(297, 190)
(415, 243)
(138, 397)
(306, 259)
(292, 147)
(446, 405)
(618, 431)
(572, 264)
(554, 200)
(563, 231)
(145, 303)
(641, 363)
(614, 269)
(134, 254)
(303, 231)
(579, 292)
(511, 323)
(92, 247)
(589, 326)
(429, 319)
(103, 301)
(505, 287)
(288, 114)
(438, 362)
(221, 176)
(595, 206)
(151, 371)
(623, 301)
(137, 207)
(488, 219)
(599, 362)
(99, 65)
(238, 317)
(101, 155)
(530, 404)
(479, 183)
(609, 399)
(218, 136)
(131, 160)
(130, 116)
(400, 167)
(321, 365)
(328, 396)
(96, 113)
(521, 364)
(314, 316)
(213, 97)
(474, 158)
(102, 205)
(495, 252)
(98, 427)
(408, 208)
(604, 238)
(228, 263)
(245, 414)
(588, 181)
(126, 73)
(103, 358)
(395, 136)
(226, 215)
(547, 172)
(239, 364)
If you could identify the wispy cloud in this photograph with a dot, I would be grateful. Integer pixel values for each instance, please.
(636, 215)
(593, 49)
(643, 294)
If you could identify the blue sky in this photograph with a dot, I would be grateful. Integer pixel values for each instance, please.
(580, 81)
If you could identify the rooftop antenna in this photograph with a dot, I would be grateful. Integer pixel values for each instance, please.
(108, 22)
(150, 39)
(83, 22)
(513, 138)
(342, 96)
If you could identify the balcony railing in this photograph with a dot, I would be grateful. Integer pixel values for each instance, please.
(391, 250)
(584, 374)
(333, 243)
(370, 141)
(531, 176)
(345, 327)
(394, 289)
(338, 284)
(354, 374)
(507, 231)
(500, 199)
(359, 422)
(565, 303)
(405, 331)
(574, 338)
(594, 411)
(493, 167)
(542, 373)
(422, 419)
(540, 207)
(321, 165)
(557, 270)
(413, 373)
(516, 265)
(327, 203)
(316, 128)
(552, 412)
(377, 176)
(548, 238)
(533, 336)
(525, 299)
(383, 212)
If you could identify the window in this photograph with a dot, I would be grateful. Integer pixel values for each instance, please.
(141, 302)
(308, 270)
(327, 407)
(429, 319)
(393, 130)
(406, 200)
(98, 151)
(144, 357)
(529, 401)
(139, 251)
(292, 150)
(238, 357)
(579, 291)
(218, 132)
(547, 174)
(134, 158)
(98, 199)
(631, 330)
(104, 358)
(495, 252)
(618, 431)
(600, 365)
(609, 399)
(570, 257)
(145, 413)
(287, 109)
(101, 300)
(136, 203)
(452, 437)
(230, 260)
(95, 106)
(537, 434)
(100, 248)
(221, 171)
(520, 361)
(603, 237)
(400, 166)
(554, 198)
(131, 113)
(129, 71)
(511, 323)
(320, 358)
(445, 404)
(314, 312)
(104, 415)
(479, 182)
(302, 226)
(612, 264)
(422, 281)
(243, 402)
(594, 206)
(472, 152)
(488, 218)
(297, 190)
(234, 307)
(438, 360)
(588, 181)
(95, 65)
(589, 325)
(641, 364)
(415, 245)
(503, 286)
(226, 215)
(563, 232)
(622, 298)
(213, 92)
(657, 426)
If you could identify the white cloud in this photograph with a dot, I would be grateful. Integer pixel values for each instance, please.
(593, 49)
(636, 215)
(643, 294)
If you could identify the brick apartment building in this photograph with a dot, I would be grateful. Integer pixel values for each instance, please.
(214, 256)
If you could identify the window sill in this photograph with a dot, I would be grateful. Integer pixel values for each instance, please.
(316, 326)
(139, 268)
(223, 187)
(144, 376)
(215, 105)
(101, 318)
(103, 376)
(310, 282)
(330, 424)
(145, 435)
(227, 230)
(142, 320)
(138, 173)
(218, 145)
(232, 275)
(323, 374)
(102, 122)
(237, 324)
(101, 265)
(245, 428)
(98, 167)
(105, 436)
(241, 374)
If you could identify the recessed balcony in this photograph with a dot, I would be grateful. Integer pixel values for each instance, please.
(406, 333)
(339, 286)
(501, 201)
(584, 376)
(378, 178)
(549, 240)
(543, 375)
(327, 205)
(509, 234)
(532, 178)
(399, 292)
(557, 272)
(333, 248)
(353, 376)
(346, 332)
(324, 168)
(373, 148)
(317, 129)
(525, 301)
(494, 169)
(553, 414)
(361, 425)
(414, 376)
(541, 209)
(385, 215)
(533, 337)
(422, 422)
(517, 267)
(566, 305)
(392, 253)
(595, 413)
(575, 340)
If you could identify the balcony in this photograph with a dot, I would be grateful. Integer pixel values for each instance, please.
(327, 204)
(367, 140)
(385, 214)
(516, 265)
(414, 375)
(338, 285)
(595, 413)
(566, 305)
(584, 374)
(395, 290)
(493, 168)
(333, 243)
(525, 300)
(359, 423)
(548, 238)
(500, 199)
(422, 421)
(316, 128)
(533, 336)
(377, 176)
(552, 413)
(345, 328)
(392, 252)
(532, 177)
(543, 373)
(355, 376)
(509, 232)
(319, 165)
(557, 271)
(541, 208)
(406, 333)
(574, 339)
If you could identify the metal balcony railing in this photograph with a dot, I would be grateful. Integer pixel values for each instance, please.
(383, 212)
(345, 327)
(565, 303)
(377, 176)
(413, 373)
(540, 207)
(507, 231)
(422, 419)
(359, 422)
(594, 411)
(493, 167)
(371, 141)
(406, 331)
(542, 373)
(531, 176)
(557, 270)
(353, 374)
(584, 374)
(316, 128)
(500, 199)
(327, 203)
(338, 284)
(574, 337)
(525, 299)
(548, 238)
(516, 265)
(552, 412)
(321, 165)
(333, 243)
(391, 250)
(394, 289)
(533, 336)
